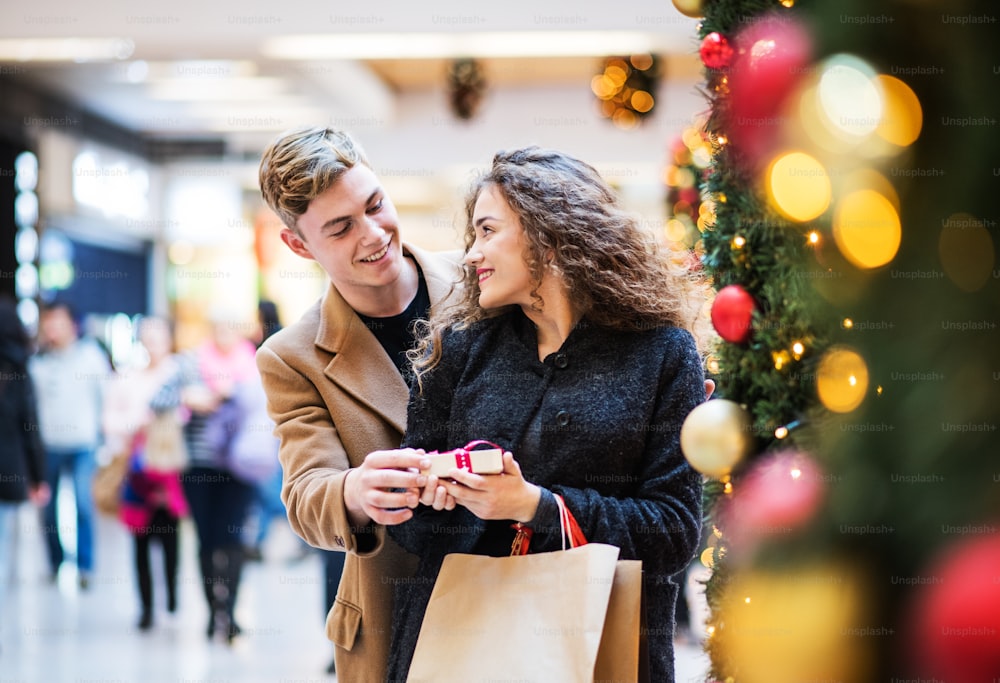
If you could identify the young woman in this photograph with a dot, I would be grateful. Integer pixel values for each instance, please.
(570, 351)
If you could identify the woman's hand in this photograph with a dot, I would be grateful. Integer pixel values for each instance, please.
(436, 495)
(495, 496)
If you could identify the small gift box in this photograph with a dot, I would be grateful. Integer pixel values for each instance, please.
(479, 461)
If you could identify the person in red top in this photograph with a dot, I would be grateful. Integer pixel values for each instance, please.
(152, 501)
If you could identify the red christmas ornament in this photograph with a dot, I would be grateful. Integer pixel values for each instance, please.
(957, 622)
(771, 58)
(716, 52)
(732, 311)
(689, 195)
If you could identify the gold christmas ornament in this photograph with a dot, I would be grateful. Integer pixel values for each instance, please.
(689, 8)
(802, 624)
(716, 436)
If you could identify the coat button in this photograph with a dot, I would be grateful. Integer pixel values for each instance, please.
(562, 418)
(561, 361)
(340, 542)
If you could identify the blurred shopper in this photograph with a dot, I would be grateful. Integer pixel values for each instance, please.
(69, 375)
(143, 417)
(266, 505)
(218, 499)
(22, 458)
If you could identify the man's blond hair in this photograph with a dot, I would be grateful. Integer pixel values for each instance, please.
(302, 164)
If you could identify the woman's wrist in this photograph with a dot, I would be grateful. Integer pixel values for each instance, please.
(530, 507)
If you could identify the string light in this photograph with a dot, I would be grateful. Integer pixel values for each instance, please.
(739, 241)
(813, 237)
(798, 348)
(784, 430)
(781, 359)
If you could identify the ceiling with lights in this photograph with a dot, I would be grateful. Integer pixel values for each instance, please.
(242, 71)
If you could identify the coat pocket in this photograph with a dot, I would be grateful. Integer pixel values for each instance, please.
(343, 624)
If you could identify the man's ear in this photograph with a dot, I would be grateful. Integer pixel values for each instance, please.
(295, 243)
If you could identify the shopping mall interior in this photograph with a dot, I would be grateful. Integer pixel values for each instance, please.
(130, 138)
(825, 173)
(148, 127)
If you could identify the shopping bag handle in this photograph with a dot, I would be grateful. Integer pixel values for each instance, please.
(569, 530)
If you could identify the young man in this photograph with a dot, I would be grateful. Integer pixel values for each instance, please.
(69, 375)
(335, 379)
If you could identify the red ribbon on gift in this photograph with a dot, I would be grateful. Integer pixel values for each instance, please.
(463, 460)
(463, 457)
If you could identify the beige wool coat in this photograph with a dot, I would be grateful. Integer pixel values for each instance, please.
(336, 396)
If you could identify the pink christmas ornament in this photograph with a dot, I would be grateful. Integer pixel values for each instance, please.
(778, 495)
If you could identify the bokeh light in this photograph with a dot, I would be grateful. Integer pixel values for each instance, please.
(869, 179)
(903, 117)
(798, 186)
(676, 230)
(850, 102)
(966, 251)
(866, 228)
(842, 379)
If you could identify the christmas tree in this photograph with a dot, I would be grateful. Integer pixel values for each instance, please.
(854, 448)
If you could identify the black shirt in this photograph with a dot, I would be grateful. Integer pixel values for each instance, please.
(395, 332)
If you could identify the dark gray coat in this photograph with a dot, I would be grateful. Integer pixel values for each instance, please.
(22, 457)
(597, 422)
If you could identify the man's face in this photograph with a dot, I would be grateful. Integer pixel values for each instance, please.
(351, 230)
(56, 328)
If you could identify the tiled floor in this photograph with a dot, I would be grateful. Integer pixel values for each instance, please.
(56, 633)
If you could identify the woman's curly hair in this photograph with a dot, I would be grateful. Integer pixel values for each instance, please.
(614, 271)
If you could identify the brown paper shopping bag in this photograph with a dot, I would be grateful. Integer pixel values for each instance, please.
(541, 617)
(618, 656)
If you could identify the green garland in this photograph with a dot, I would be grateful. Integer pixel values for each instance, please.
(752, 246)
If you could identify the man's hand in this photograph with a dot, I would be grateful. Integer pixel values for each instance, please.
(40, 494)
(385, 487)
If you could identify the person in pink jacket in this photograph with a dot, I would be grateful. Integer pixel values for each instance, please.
(152, 499)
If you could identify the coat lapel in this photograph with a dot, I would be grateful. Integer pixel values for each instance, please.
(359, 365)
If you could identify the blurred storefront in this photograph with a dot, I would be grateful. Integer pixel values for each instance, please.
(98, 217)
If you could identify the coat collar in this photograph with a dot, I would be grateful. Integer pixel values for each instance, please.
(359, 365)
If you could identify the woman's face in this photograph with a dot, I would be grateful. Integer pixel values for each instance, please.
(154, 335)
(497, 254)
